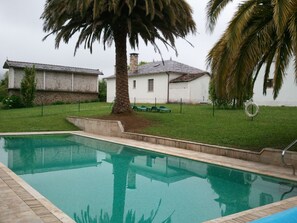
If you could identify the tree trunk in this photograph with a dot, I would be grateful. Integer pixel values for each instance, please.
(120, 170)
(122, 101)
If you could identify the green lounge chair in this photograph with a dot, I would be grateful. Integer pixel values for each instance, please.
(140, 108)
(164, 109)
(155, 109)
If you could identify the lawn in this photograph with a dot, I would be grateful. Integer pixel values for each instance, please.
(274, 127)
(48, 118)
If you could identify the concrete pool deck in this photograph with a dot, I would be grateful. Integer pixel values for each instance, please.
(19, 202)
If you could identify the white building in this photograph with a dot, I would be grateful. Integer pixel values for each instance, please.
(288, 92)
(163, 82)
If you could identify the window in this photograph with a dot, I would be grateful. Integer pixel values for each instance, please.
(149, 161)
(150, 84)
(134, 84)
(269, 83)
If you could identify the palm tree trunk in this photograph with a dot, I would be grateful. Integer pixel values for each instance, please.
(122, 101)
(120, 170)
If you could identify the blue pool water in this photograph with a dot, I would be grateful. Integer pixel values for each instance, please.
(106, 182)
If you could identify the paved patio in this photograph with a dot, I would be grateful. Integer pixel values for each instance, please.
(19, 202)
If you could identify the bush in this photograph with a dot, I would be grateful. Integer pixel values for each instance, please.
(13, 101)
(102, 91)
(4, 87)
(218, 102)
(28, 87)
(58, 103)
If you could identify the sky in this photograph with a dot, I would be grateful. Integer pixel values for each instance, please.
(21, 34)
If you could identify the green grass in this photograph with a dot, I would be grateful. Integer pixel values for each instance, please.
(53, 119)
(274, 127)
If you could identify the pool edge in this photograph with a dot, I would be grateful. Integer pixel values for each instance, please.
(59, 214)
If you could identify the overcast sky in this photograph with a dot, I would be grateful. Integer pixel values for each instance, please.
(21, 40)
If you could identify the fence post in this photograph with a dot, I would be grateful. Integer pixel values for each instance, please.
(134, 101)
(155, 101)
(181, 106)
(79, 106)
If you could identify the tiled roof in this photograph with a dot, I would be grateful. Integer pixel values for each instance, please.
(50, 67)
(162, 67)
(188, 77)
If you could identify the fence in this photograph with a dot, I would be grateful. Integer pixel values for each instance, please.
(159, 100)
(88, 109)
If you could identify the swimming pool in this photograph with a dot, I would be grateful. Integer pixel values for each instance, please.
(96, 179)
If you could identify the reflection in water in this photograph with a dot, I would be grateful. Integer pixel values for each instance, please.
(85, 217)
(129, 182)
(233, 188)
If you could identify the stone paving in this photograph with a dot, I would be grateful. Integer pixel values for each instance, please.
(20, 203)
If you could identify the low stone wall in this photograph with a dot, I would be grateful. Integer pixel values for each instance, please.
(115, 128)
(97, 126)
(49, 97)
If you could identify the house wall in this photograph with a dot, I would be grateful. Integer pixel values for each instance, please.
(190, 92)
(195, 91)
(55, 81)
(178, 91)
(140, 94)
(110, 90)
(199, 90)
(49, 97)
(55, 86)
(287, 95)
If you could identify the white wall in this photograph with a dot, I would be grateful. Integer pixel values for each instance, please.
(195, 91)
(11, 78)
(199, 90)
(191, 92)
(141, 94)
(110, 92)
(287, 95)
(179, 91)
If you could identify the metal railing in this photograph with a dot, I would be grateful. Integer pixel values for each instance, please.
(283, 155)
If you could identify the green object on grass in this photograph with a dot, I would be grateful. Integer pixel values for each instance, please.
(164, 109)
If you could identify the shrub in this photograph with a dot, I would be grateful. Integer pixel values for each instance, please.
(28, 87)
(13, 101)
(102, 91)
(4, 87)
(218, 102)
(58, 103)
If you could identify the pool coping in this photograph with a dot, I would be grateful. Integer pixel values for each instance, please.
(244, 216)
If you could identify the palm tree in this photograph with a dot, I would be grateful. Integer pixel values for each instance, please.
(261, 32)
(111, 21)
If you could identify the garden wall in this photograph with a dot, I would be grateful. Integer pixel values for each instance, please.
(115, 128)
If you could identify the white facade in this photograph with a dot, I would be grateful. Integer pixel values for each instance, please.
(288, 92)
(195, 91)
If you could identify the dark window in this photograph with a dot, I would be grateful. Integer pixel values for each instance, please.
(150, 84)
(269, 83)
(134, 84)
(149, 161)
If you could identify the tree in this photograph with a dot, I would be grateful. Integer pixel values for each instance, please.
(102, 91)
(115, 21)
(28, 87)
(260, 33)
(4, 87)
